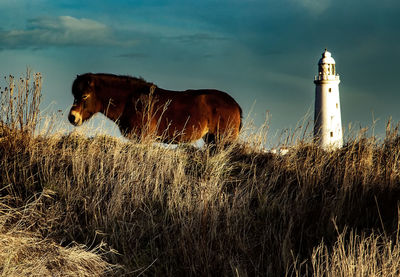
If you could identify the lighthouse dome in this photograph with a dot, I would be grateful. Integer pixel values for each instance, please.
(326, 58)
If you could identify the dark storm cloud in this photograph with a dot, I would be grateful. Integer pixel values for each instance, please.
(198, 37)
(133, 55)
(60, 31)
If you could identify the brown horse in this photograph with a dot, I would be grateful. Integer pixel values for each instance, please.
(141, 109)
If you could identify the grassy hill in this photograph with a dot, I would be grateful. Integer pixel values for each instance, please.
(72, 205)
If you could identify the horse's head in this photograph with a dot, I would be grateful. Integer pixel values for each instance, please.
(85, 103)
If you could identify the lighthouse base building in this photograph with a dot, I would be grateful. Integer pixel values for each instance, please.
(327, 117)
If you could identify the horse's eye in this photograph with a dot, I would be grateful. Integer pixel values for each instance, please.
(84, 97)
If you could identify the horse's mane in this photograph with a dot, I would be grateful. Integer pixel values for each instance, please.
(137, 81)
(122, 78)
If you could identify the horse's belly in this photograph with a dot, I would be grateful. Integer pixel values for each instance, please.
(182, 125)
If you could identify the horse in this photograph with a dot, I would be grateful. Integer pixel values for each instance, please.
(140, 109)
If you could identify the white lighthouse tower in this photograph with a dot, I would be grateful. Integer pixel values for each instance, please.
(327, 119)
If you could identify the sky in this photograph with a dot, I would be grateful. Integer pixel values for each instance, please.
(262, 52)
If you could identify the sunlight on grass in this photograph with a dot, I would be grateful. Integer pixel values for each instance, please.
(90, 204)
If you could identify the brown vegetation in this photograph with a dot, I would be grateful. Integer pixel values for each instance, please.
(160, 211)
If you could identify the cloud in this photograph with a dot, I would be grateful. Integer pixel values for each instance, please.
(58, 32)
(314, 6)
(133, 55)
(197, 37)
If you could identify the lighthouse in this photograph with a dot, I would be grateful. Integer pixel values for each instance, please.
(327, 118)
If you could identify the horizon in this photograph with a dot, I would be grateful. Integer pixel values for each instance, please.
(263, 53)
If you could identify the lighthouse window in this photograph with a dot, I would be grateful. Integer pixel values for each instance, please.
(331, 134)
(330, 89)
(337, 106)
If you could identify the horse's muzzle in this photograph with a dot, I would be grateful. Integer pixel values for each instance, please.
(75, 118)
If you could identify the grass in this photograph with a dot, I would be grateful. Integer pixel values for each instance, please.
(101, 206)
(25, 254)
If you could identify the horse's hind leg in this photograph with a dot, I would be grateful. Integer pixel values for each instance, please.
(218, 141)
(209, 139)
(210, 142)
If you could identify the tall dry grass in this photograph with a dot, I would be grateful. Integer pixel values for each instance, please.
(19, 102)
(25, 249)
(237, 211)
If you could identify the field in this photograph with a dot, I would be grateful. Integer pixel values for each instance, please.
(77, 206)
